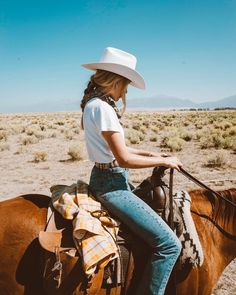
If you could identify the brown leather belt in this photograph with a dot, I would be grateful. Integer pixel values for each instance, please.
(104, 166)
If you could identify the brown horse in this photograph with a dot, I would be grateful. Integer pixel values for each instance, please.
(23, 217)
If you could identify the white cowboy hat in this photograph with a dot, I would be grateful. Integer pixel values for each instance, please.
(120, 62)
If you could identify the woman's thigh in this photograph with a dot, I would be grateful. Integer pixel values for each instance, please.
(138, 216)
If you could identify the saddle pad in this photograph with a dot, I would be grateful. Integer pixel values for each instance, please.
(191, 252)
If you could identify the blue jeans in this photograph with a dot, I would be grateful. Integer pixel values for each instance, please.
(112, 189)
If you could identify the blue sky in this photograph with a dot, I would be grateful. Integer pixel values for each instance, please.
(185, 48)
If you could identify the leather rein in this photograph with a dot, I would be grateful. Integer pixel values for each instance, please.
(198, 182)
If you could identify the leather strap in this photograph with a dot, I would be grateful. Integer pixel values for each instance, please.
(171, 224)
(95, 283)
(198, 182)
(50, 225)
(171, 216)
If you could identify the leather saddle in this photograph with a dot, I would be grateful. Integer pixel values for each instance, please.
(62, 265)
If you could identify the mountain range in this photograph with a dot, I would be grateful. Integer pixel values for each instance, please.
(170, 102)
(155, 102)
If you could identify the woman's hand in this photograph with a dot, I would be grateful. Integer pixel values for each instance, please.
(173, 162)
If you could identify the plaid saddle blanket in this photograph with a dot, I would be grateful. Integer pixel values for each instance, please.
(94, 231)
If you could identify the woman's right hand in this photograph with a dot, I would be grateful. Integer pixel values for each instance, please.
(172, 162)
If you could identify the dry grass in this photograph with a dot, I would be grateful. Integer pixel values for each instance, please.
(75, 152)
(29, 139)
(3, 135)
(39, 156)
(217, 160)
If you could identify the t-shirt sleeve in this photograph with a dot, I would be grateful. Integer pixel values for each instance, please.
(105, 118)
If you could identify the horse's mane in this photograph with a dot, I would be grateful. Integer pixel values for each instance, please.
(222, 211)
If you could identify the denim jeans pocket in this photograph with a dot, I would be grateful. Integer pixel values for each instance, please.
(118, 181)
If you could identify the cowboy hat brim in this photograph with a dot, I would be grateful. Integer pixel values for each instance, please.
(135, 78)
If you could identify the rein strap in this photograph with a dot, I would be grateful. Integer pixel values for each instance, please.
(198, 182)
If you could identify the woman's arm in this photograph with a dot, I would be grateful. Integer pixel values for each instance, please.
(145, 153)
(127, 159)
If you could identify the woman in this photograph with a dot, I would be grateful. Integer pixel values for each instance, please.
(106, 147)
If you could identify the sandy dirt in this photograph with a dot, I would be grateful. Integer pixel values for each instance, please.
(56, 133)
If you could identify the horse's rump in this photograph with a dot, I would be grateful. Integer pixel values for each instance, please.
(21, 220)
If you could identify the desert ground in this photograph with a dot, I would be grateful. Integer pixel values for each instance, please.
(38, 150)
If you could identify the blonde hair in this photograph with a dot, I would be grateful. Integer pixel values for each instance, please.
(104, 82)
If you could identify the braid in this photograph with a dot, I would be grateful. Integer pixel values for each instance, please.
(87, 91)
(100, 85)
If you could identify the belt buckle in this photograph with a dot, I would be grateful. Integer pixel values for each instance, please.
(113, 163)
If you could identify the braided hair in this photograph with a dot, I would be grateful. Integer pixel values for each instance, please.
(99, 86)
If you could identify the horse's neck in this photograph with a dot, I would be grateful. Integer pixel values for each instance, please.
(216, 240)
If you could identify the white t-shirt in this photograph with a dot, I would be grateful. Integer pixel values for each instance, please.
(99, 116)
